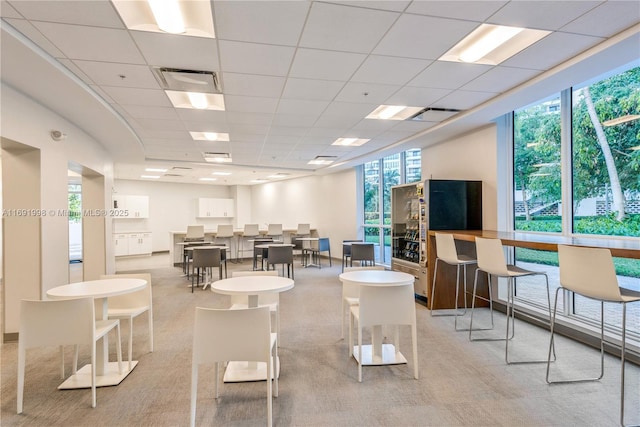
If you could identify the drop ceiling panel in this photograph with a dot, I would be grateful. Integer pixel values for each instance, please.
(389, 70)
(161, 124)
(7, 11)
(367, 93)
(92, 43)
(255, 58)
(345, 28)
(500, 79)
(110, 74)
(71, 66)
(541, 15)
(463, 99)
(299, 106)
(333, 133)
(133, 96)
(251, 119)
(417, 96)
(31, 32)
(448, 75)
(607, 19)
(294, 120)
(98, 13)
(423, 37)
(332, 120)
(202, 116)
(325, 65)
(311, 89)
(245, 21)
(375, 126)
(250, 104)
(287, 131)
(174, 51)
(146, 112)
(468, 10)
(252, 85)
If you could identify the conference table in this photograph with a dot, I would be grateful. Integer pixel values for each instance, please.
(106, 372)
(251, 287)
(378, 353)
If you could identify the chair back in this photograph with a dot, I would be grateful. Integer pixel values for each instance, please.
(274, 230)
(263, 298)
(446, 248)
(280, 254)
(589, 272)
(141, 298)
(222, 335)
(194, 233)
(323, 244)
(224, 230)
(297, 244)
(362, 252)
(387, 305)
(56, 322)
(346, 249)
(251, 230)
(206, 257)
(491, 256)
(303, 229)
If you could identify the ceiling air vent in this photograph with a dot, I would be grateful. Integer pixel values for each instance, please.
(433, 114)
(173, 174)
(187, 80)
(180, 168)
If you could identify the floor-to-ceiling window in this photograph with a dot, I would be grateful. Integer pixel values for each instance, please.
(378, 178)
(597, 124)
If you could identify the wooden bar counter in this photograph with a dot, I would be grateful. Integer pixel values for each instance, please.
(465, 243)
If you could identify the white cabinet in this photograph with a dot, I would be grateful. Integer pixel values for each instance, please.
(215, 208)
(132, 244)
(121, 244)
(132, 207)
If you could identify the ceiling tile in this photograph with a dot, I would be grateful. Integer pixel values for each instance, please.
(374, 126)
(326, 132)
(294, 120)
(311, 89)
(252, 58)
(249, 118)
(33, 34)
(158, 134)
(252, 85)
(551, 50)
(463, 100)
(94, 13)
(245, 21)
(8, 11)
(101, 93)
(336, 121)
(92, 43)
(448, 75)
(71, 66)
(161, 124)
(416, 96)
(108, 73)
(423, 37)
(389, 70)
(368, 93)
(146, 112)
(133, 96)
(194, 115)
(468, 10)
(500, 79)
(248, 138)
(287, 131)
(345, 28)
(541, 15)
(300, 106)
(175, 51)
(250, 104)
(325, 65)
(607, 19)
(393, 5)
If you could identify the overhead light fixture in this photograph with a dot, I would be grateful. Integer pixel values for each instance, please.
(149, 176)
(161, 16)
(258, 181)
(350, 142)
(209, 136)
(622, 119)
(208, 179)
(322, 160)
(278, 175)
(221, 173)
(393, 112)
(155, 170)
(217, 157)
(199, 100)
(337, 164)
(168, 15)
(491, 44)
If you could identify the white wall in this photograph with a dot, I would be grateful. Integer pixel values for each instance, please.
(469, 157)
(172, 206)
(29, 123)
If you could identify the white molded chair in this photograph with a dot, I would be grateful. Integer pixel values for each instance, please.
(590, 272)
(195, 233)
(226, 335)
(269, 299)
(304, 230)
(132, 305)
(491, 260)
(62, 322)
(447, 253)
(385, 305)
(224, 235)
(250, 231)
(274, 231)
(351, 292)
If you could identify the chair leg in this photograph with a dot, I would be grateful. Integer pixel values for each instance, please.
(194, 391)
(360, 353)
(130, 341)
(414, 339)
(473, 303)
(119, 346)
(21, 369)
(150, 314)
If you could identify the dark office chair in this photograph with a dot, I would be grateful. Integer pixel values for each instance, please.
(346, 252)
(259, 253)
(281, 255)
(364, 253)
(206, 258)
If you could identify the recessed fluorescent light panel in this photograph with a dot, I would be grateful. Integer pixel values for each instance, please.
(197, 100)
(350, 142)
(393, 112)
(208, 179)
(149, 176)
(217, 157)
(188, 18)
(322, 160)
(209, 136)
(155, 170)
(278, 175)
(622, 119)
(258, 181)
(221, 173)
(491, 44)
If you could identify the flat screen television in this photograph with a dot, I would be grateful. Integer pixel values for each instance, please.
(453, 204)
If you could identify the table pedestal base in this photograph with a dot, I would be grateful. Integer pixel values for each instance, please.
(239, 371)
(82, 377)
(389, 355)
